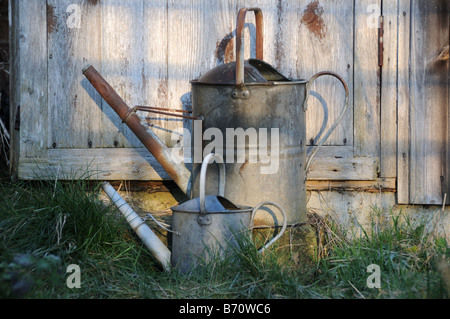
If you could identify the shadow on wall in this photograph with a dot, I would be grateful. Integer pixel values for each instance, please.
(4, 85)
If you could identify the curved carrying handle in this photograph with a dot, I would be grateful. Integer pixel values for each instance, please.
(274, 239)
(240, 41)
(219, 161)
(305, 106)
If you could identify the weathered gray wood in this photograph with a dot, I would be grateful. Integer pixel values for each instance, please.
(122, 55)
(97, 164)
(447, 143)
(14, 93)
(197, 34)
(367, 85)
(154, 74)
(429, 101)
(150, 50)
(388, 123)
(353, 168)
(139, 164)
(403, 139)
(73, 41)
(323, 41)
(29, 79)
(377, 186)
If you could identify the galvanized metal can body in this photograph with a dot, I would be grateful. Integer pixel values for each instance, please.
(278, 173)
(195, 243)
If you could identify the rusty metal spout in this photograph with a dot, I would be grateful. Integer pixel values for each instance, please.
(177, 171)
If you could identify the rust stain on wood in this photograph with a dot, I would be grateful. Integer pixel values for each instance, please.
(225, 49)
(163, 88)
(93, 2)
(312, 19)
(52, 20)
(440, 61)
(243, 166)
(443, 55)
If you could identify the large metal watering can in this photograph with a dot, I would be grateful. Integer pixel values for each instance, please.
(205, 227)
(243, 96)
(253, 100)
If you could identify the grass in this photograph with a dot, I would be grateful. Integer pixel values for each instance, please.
(46, 226)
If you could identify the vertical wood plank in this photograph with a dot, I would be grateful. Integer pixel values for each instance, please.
(388, 157)
(14, 84)
(73, 41)
(447, 159)
(198, 31)
(325, 43)
(403, 101)
(429, 100)
(29, 79)
(122, 65)
(367, 82)
(282, 20)
(155, 57)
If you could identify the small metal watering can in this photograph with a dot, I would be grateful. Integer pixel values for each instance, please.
(201, 226)
(210, 224)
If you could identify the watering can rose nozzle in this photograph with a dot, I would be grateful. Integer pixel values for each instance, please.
(86, 68)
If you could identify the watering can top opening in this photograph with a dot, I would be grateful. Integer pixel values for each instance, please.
(248, 72)
(214, 204)
(255, 72)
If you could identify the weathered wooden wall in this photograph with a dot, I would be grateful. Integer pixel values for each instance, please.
(150, 50)
(423, 102)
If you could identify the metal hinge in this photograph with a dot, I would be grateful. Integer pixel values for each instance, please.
(380, 41)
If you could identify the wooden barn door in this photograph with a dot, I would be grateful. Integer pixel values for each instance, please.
(423, 102)
(150, 50)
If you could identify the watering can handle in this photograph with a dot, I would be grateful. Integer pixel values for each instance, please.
(219, 160)
(283, 228)
(305, 106)
(240, 41)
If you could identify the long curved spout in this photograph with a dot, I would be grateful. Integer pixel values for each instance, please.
(177, 171)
